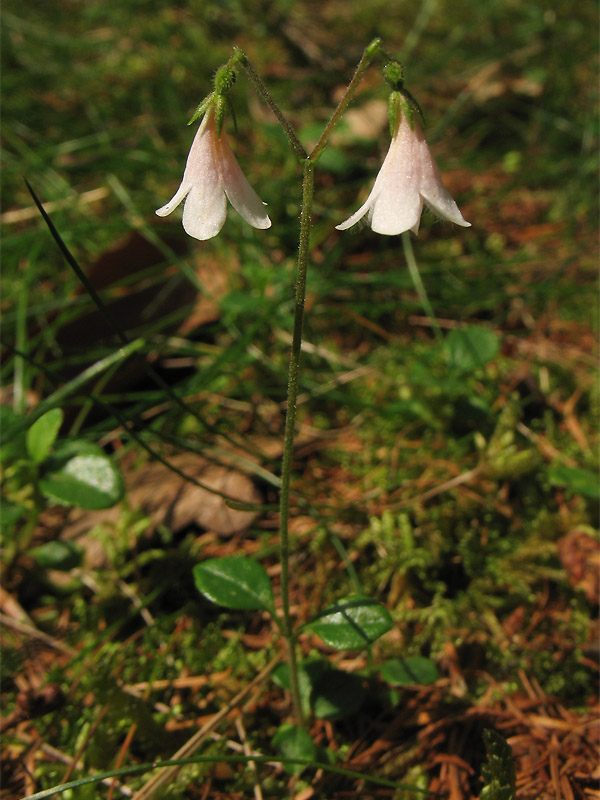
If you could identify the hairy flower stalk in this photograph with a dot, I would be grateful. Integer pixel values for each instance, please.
(408, 178)
(211, 177)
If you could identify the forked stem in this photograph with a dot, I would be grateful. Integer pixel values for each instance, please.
(294, 365)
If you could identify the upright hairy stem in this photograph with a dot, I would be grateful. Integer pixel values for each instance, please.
(308, 162)
(290, 420)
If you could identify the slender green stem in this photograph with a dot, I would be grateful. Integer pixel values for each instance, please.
(292, 395)
(294, 366)
(413, 268)
(137, 769)
(266, 95)
(364, 62)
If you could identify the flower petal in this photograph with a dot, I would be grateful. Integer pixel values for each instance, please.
(205, 206)
(432, 188)
(199, 157)
(398, 205)
(211, 175)
(358, 215)
(393, 215)
(440, 201)
(239, 192)
(179, 195)
(204, 211)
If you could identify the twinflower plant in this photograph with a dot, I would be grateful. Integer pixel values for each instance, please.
(212, 176)
(408, 178)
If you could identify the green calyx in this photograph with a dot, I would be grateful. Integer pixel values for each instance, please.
(223, 82)
(221, 105)
(202, 108)
(224, 79)
(393, 72)
(401, 102)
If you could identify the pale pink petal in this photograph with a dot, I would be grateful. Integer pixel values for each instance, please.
(367, 206)
(440, 201)
(200, 156)
(239, 192)
(205, 206)
(433, 191)
(395, 214)
(179, 195)
(204, 211)
(352, 220)
(397, 207)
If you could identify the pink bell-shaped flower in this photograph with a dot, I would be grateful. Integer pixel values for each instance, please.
(211, 177)
(408, 178)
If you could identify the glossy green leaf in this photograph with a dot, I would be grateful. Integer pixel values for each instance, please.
(235, 582)
(415, 670)
(87, 478)
(337, 694)
(58, 555)
(351, 623)
(294, 742)
(471, 347)
(42, 434)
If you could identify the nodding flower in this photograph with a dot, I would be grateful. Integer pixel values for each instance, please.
(211, 177)
(408, 178)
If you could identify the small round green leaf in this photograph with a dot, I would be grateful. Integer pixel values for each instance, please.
(42, 434)
(471, 347)
(414, 670)
(352, 623)
(337, 694)
(88, 480)
(235, 582)
(58, 555)
(296, 743)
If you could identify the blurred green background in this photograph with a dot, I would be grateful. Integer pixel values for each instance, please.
(97, 95)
